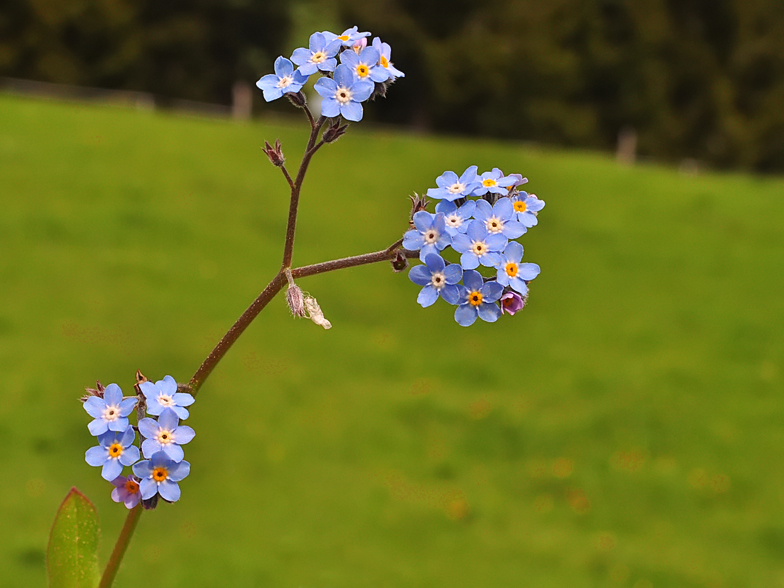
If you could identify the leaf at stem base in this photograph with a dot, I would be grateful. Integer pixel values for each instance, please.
(72, 558)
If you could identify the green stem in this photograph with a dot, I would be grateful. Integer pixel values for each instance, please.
(119, 548)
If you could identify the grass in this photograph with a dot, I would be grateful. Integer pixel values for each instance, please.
(626, 429)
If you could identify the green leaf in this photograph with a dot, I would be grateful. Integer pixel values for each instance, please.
(72, 558)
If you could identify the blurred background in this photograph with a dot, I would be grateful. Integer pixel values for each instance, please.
(625, 430)
(698, 79)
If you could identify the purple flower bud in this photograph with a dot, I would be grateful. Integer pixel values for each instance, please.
(275, 153)
(511, 302)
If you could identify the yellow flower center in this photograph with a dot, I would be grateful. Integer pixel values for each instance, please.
(131, 487)
(488, 183)
(383, 61)
(475, 298)
(343, 37)
(363, 70)
(520, 206)
(479, 248)
(160, 474)
(511, 269)
(318, 57)
(115, 450)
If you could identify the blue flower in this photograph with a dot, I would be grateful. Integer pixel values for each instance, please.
(165, 435)
(450, 187)
(365, 64)
(320, 56)
(384, 60)
(478, 299)
(342, 95)
(348, 37)
(110, 412)
(114, 452)
(514, 274)
(526, 206)
(163, 394)
(478, 246)
(126, 490)
(438, 279)
(284, 80)
(160, 475)
(498, 218)
(430, 235)
(456, 219)
(495, 182)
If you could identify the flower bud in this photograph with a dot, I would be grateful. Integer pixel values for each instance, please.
(297, 99)
(295, 300)
(417, 203)
(275, 154)
(511, 302)
(334, 132)
(97, 391)
(400, 262)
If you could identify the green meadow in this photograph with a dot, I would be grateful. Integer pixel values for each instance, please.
(625, 430)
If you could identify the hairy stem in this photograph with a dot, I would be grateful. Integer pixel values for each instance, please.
(119, 548)
(310, 150)
(269, 293)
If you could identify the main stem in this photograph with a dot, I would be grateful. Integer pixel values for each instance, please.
(119, 548)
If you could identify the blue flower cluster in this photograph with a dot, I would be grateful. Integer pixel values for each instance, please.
(478, 216)
(343, 87)
(161, 440)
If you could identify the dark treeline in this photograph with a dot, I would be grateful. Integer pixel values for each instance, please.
(701, 79)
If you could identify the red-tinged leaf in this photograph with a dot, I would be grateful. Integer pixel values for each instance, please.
(72, 556)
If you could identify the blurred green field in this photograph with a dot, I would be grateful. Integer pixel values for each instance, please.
(626, 429)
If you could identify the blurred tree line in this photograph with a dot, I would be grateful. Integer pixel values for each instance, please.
(695, 78)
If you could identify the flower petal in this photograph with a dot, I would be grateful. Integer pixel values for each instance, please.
(465, 315)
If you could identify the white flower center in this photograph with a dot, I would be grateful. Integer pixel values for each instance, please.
(318, 57)
(438, 280)
(456, 188)
(431, 236)
(164, 437)
(343, 95)
(165, 400)
(494, 225)
(111, 413)
(479, 248)
(454, 220)
(285, 81)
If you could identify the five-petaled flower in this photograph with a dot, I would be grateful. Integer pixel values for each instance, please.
(159, 475)
(126, 490)
(478, 245)
(110, 413)
(495, 182)
(499, 218)
(438, 279)
(450, 187)
(115, 451)
(456, 219)
(526, 206)
(429, 236)
(478, 298)
(320, 55)
(514, 274)
(284, 80)
(385, 57)
(165, 435)
(343, 94)
(364, 65)
(163, 394)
